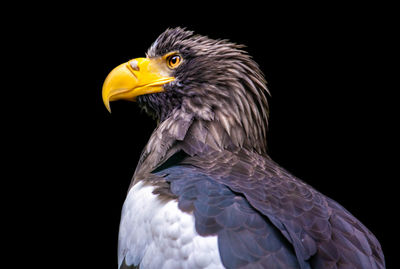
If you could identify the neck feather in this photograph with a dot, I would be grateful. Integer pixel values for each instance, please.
(196, 132)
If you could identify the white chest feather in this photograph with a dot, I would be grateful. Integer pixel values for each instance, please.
(157, 234)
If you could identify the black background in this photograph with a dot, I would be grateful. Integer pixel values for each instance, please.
(327, 69)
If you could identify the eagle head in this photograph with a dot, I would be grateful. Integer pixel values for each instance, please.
(214, 80)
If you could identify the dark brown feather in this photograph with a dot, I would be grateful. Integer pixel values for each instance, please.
(322, 232)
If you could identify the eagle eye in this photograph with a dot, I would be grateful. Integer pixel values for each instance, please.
(174, 61)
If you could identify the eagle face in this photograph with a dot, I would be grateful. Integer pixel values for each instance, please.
(212, 79)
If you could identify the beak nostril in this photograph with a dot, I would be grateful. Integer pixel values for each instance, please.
(134, 65)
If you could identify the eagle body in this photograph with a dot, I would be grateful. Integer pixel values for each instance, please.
(205, 193)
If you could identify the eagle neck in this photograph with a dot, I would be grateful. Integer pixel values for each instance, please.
(164, 141)
(193, 135)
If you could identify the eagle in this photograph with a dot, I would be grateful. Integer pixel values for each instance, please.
(205, 192)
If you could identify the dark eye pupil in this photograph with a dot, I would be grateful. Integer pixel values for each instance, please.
(174, 59)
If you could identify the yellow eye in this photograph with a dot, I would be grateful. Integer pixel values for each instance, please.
(174, 61)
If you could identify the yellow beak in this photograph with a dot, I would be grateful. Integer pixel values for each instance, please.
(136, 77)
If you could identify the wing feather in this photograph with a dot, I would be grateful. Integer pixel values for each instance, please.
(246, 239)
(321, 231)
